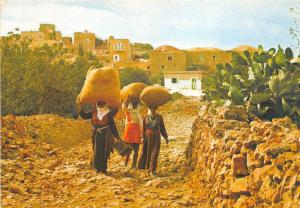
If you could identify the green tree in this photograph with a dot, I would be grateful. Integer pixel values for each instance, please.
(80, 50)
(158, 78)
(130, 75)
(90, 56)
(145, 55)
(38, 80)
(98, 42)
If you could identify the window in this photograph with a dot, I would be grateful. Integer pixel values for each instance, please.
(116, 57)
(174, 80)
(214, 57)
(162, 66)
(170, 58)
(118, 46)
(194, 80)
(87, 41)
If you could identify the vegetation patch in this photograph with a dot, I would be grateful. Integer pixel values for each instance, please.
(264, 81)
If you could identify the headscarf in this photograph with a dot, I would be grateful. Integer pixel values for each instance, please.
(102, 111)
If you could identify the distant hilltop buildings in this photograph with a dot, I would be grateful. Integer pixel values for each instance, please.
(182, 69)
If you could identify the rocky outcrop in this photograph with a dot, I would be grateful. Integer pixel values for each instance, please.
(237, 163)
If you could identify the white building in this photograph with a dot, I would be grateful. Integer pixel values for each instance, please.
(187, 83)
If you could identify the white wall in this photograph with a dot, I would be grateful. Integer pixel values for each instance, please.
(184, 86)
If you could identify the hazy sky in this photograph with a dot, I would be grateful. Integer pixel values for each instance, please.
(184, 24)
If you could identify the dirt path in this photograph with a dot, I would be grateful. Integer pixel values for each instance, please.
(67, 179)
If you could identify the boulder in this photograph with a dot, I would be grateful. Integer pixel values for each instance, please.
(241, 186)
(238, 113)
(239, 165)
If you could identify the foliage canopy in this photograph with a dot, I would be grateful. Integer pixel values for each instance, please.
(37, 80)
(130, 75)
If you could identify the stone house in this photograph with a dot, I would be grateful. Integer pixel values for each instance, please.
(187, 83)
(86, 39)
(205, 59)
(167, 58)
(119, 50)
(68, 43)
(46, 34)
(184, 69)
(48, 30)
(35, 36)
(58, 36)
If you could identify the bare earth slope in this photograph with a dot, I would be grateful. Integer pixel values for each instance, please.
(37, 174)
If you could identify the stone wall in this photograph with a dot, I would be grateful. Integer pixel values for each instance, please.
(237, 163)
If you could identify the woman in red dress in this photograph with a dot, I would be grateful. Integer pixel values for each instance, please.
(133, 128)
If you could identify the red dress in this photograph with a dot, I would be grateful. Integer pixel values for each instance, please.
(133, 132)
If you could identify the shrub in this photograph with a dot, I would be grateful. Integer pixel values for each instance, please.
(158, 78)
(197, 67)
(131, 75)
(264, 80)
(177, 95)
(145, 55)
(38, 80)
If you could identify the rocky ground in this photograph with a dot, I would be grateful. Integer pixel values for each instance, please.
(38, 174)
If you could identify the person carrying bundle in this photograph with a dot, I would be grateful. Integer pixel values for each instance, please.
(153, 127)
(133, 128)
(104, 128)
(102, 90)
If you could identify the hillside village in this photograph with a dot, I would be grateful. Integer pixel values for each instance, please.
(106, 120)
(182, 69)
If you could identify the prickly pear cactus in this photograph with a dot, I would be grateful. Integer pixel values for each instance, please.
(264, 80)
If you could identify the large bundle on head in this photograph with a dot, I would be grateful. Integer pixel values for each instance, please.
(101, 85)
(155, 96)
(133, 89)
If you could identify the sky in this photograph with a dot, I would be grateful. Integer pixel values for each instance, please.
(181, 23)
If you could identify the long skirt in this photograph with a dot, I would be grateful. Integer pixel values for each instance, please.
(143, 157)
(150, 152)
(102, 147)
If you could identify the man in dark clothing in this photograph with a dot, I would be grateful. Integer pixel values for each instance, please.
(104, 128)
(153, 127)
